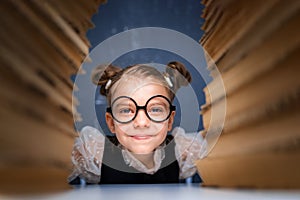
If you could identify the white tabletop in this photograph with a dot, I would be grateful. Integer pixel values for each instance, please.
(166, 191)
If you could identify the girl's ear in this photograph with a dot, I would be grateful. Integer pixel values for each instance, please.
(171, 120)
(110, 122)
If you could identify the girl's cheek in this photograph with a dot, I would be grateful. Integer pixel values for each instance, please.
(153, 129)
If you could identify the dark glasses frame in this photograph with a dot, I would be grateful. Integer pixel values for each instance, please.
(172, 108)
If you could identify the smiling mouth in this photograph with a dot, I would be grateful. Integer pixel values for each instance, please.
(141, 137)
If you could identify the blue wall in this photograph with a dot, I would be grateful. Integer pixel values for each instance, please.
(119, 15)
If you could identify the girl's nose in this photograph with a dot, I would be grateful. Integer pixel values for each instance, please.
(141, 119)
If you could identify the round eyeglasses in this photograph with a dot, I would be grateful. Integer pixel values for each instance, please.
(124, 109)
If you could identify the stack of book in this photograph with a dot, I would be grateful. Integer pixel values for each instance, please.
(255, 49)
(42, 44)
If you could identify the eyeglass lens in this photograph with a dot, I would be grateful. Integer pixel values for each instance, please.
(125, 109)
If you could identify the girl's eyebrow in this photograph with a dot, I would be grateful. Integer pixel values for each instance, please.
(158, 103)
(124, 104)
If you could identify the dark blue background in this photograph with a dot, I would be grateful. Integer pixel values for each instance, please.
(119, 15)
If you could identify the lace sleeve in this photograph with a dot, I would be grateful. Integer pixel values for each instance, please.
(87, 155)
(187, 151)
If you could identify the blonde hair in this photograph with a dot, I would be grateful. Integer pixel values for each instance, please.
(107, 76)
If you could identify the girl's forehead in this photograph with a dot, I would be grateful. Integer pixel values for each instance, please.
(139, 91)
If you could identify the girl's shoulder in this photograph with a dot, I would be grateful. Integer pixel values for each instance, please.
(186, 138)
(180, 132)
(91, 134)
(89, 129)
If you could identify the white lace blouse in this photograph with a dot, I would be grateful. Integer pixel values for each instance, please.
(88, 151)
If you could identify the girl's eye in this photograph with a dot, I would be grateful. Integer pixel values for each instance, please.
(156, 110)
(125, 111)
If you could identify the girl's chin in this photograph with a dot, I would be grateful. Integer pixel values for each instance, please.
(141, 152)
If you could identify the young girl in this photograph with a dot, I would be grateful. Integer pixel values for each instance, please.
(140, 114)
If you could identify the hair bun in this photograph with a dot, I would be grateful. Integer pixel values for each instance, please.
(179, 74)
(102, 74)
